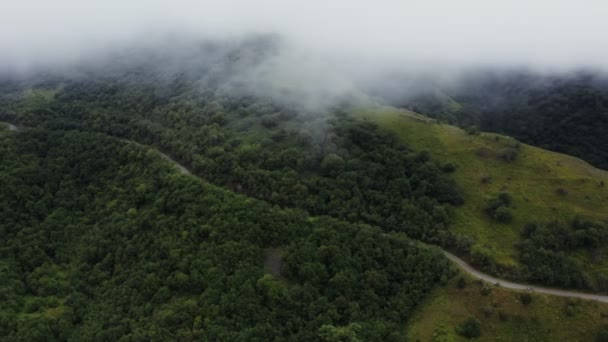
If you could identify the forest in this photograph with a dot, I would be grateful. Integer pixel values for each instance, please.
(104, 239)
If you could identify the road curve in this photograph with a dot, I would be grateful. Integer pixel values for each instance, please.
(469, 269)
(456, 260)
(525, 287)
(182, 169)
(10, 126)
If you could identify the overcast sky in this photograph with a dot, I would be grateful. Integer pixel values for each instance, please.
(545, 33)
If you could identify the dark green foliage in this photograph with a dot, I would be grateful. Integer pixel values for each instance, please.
(332, 164)
(485, 289)
(602, 335)
(448, 167)
(470, 328)
(461, 283)
(348, 169)
(525, 298)
(543, 246)
(567, 113)
(502, 214)
(498, 207)
(104, 240)
(570, 308)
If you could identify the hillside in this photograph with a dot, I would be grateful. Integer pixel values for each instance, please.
(287, 218)
(104, 239)
(544, 187)
(565, 112)
(503, 315)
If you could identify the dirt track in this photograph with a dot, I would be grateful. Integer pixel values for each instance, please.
(459, 262)
(525, 287)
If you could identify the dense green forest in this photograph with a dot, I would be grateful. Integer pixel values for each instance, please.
(325, 163)
(295, 225)
(105, 240)
(298, 222)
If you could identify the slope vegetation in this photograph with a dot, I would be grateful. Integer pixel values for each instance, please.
(505, 315)
(539, 193)
(106, 240)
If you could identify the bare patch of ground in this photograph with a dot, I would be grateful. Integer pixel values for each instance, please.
(273, 262)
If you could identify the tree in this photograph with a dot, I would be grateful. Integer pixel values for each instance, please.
(332, 164)
(330, 333)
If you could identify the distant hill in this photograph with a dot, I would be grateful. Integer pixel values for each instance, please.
(562, 112)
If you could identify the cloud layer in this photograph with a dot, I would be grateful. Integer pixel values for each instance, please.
(540, 33)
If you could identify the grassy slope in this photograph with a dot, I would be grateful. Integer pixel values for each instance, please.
(533, 179)
(547, 318)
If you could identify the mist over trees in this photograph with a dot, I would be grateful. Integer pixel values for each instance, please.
(197, 170)
(104, 239)
(565, 112)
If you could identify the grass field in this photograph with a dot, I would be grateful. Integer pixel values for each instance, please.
(545, 185)
(504, 317)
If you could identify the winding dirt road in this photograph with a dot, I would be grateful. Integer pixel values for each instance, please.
(456, 260)
(11, 127)
(515, 286)
(469, 269)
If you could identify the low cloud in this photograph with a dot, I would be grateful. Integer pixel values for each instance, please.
(542, 33)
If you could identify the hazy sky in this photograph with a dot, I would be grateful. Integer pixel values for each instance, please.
(532, 32)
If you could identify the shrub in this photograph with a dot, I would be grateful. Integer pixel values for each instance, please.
(529, 229)
(602, 335)
(569, 310)
(508, 154)
(498, 207)
(462, 283)
(448, 167)
(472, 130)
(488, 310)
(485, 289)
(470, 328)
(505, 198)
(525, 298)
(503, 215)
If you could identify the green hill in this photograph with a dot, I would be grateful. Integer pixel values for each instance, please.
(298, 223)
(104, 239)
(544, 187)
